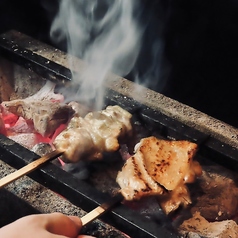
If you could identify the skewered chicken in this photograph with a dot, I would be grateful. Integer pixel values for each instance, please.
(160, 167)
(94, 134)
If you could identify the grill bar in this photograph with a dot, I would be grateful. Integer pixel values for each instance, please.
(81, 193)
(34, 62)
(215, 149)
(29, 168)
(211, 148)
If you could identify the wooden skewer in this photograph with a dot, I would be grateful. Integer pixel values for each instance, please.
(29, 168)
(98, 211)
(95, 213)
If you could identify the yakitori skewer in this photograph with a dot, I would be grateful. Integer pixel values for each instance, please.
(29, 168)
(100, 210)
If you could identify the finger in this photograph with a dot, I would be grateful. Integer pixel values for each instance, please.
(60, 224)
(85, 236)
(76, 220)
(80, 236)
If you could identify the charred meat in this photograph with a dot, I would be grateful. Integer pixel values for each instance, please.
(160, 167)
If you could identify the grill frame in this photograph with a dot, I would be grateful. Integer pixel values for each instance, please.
(24, 51)
(209, 146)
(214, 147)
(80, 193)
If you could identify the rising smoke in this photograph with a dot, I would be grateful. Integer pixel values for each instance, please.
(103, 33)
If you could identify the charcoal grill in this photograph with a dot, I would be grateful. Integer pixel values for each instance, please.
(169, 118)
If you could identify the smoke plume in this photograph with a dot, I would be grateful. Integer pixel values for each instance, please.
(103, 33)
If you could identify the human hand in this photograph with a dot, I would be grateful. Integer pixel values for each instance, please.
(54, 225)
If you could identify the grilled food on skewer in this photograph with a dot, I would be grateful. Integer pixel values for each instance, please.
(160, 167)
(94, 134)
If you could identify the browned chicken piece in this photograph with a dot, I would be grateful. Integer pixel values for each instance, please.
(172, 200)
(46, 115)
(97, 132)
(160, 167)
(134, 180)
(168, 162)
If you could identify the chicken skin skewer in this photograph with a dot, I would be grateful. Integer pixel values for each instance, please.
(88, 137)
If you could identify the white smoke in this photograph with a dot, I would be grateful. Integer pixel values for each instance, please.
(103, 33)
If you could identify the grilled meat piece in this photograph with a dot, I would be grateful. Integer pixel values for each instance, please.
(134, 180)
(97, 132)
(160, 167)
(168, 162)
(172, 200)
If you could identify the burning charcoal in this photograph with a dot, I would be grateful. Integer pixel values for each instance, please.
(47, 93)
(46, 116)
(44, 109)
(28, 140)
(2, 126)
(216, 195)
(199, 225)
(193, 235)
(22, 126)
(9, 119)
(42, 149)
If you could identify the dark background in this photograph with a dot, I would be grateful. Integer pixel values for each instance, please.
(198, 63)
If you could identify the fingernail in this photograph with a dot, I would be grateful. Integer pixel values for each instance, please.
(76, 220)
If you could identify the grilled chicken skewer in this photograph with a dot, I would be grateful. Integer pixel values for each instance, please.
(161, 168)
(88, 137)
(100, 210)
(29, 168)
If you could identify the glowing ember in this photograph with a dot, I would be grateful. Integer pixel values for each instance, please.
(24, 129)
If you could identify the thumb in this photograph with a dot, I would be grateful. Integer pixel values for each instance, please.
(85, 236)
(60, 224)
